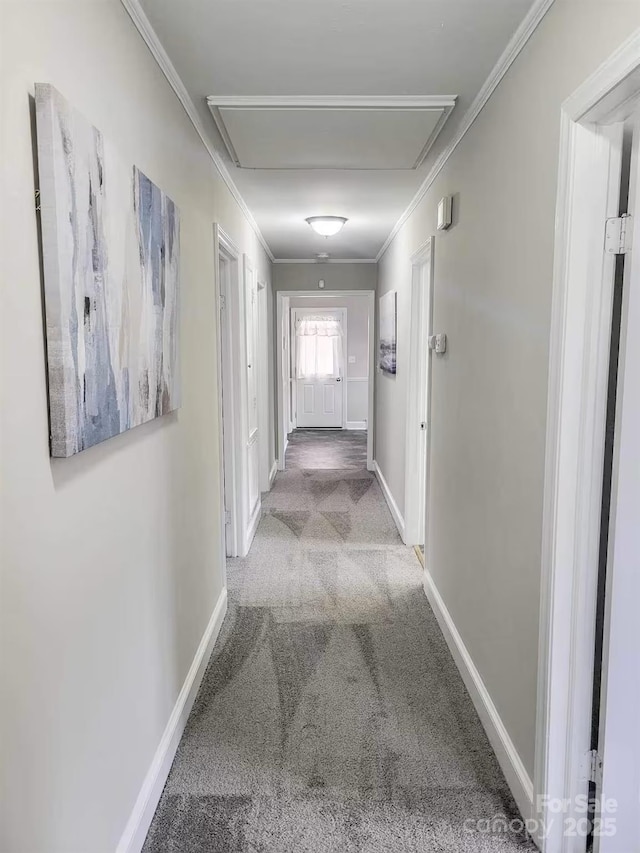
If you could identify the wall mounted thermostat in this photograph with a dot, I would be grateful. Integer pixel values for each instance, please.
(321, 283)
(444, 213)
(438, 343)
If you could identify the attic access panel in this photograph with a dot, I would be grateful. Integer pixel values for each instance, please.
(338, 133)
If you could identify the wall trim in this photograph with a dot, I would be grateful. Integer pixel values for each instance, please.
(252, 527)
(273, 473)
(393, 506)
(357, 378)
(509, 760)
(519, 39)
(325, 261)
(137, 826)
(143, 25)
(356, 425)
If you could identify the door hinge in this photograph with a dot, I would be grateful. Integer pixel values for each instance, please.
(223, 301)
(593, 765)
(617, 234)
(227, 517)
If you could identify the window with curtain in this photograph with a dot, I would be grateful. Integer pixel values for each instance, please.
(318, 348)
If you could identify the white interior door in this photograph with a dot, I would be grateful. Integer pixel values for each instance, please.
(619, 738)
(418, 399)
(319, 398)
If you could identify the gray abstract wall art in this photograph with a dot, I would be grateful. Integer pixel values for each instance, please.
(111, 253)
(387, 333)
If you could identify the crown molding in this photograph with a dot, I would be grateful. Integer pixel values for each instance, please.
(143, 25)
(521, 36)
(324, 261)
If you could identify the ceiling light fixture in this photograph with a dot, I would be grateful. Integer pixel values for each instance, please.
(326, 226)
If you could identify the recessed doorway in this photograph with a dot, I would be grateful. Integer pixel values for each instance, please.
(325, 364)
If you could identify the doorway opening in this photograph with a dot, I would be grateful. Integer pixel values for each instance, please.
(325, 356)
(227, 276)
(239, 422)
(418, 400)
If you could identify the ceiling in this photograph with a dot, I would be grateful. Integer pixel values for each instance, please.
(332, 106)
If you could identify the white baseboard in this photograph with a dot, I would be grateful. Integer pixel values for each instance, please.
(356, 424)
(254, 521)
(281, 460)
(393, 506)
(506, 753)
(273, 472)
(145, 806)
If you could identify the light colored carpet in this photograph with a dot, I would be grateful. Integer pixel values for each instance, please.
(332, 718)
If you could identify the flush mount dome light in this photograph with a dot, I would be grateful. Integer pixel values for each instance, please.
(326, 226)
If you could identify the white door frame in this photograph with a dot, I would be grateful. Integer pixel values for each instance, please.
(418, 395)
(227, 289)
(588, 190)
(264, 415)
(619, 734)
(344, 315)
(283, 378)
(282, 428)
(250, 512)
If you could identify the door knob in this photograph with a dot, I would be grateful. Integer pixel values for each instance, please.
(338, 379)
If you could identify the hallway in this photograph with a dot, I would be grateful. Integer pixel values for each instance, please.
(295, 297)
(331, 717)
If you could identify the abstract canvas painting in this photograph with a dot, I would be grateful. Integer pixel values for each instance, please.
(387, 333)
(111, 254)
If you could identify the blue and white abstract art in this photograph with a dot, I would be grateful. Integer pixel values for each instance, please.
(111, 252)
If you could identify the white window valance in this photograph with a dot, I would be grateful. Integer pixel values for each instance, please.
(318, 348)
(326, 326)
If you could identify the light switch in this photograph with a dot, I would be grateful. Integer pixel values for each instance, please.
(438, 343)
(352, 359)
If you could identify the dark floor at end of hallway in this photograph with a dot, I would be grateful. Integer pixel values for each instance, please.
(332, 718)
(327, 448)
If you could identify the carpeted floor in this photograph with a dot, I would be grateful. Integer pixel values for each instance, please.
(332, 718)
(327, 448)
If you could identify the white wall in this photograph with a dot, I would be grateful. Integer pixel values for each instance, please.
(336, 276)
(110, 559)
(493, 275)
(357, 346)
